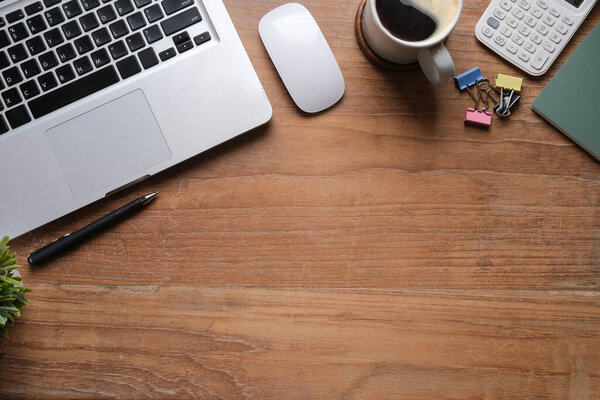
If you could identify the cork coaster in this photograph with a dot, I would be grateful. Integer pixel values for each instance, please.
(371, 56)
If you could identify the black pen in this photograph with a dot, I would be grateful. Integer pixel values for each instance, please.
(72, 239)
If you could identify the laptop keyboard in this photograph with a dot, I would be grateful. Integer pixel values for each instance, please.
(53, 52)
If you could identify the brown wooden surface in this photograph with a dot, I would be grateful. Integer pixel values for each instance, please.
(379, 250)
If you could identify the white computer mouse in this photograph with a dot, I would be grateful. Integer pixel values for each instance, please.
(302, 57)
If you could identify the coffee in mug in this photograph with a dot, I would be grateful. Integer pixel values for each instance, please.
(406, 31)
(416, 20)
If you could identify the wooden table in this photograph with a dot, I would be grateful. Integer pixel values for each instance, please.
(379, 250)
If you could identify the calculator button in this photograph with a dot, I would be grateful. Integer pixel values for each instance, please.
(567, 20)
(536, 12)
(524, 4)
(505, 4)
(543, 29)
(548, 20)
(554, 11)
(517, 12)
(487, 31)
(561, 28)
(524, 56)
(542, 3)
(548, 46)
(523, 30)
(555, 37)
(511, 47)
(499, 40)
(498, 13)
(493, 22)
(530, 21)
(530, 47)
(506, 31)
(518, 39)
(512, 22)
(536, 38)
(539, 59)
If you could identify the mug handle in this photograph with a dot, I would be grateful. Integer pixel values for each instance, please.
(437, 64)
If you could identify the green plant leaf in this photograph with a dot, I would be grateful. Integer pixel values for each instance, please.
(12, 292)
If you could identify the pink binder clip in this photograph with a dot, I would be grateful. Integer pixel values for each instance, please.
(478, 117)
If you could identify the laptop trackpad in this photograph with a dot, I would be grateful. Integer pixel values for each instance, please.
(108, 144)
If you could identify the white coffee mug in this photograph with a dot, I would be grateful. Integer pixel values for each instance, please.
(432, 55)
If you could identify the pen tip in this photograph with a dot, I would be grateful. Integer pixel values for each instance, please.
(147, 198)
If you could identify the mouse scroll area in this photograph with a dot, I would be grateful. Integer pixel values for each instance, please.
(108, 144)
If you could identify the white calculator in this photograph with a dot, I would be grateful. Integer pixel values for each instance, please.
(531, 33)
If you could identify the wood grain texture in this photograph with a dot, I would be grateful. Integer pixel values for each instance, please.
(379, 250)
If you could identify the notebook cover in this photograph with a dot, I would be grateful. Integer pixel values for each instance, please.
(570, 100)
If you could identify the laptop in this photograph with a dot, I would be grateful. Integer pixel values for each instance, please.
(97, 95)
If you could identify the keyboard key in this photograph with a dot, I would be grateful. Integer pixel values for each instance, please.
(71, 30)
(12, 76)
(539, 59)
(180, 38)
(487, 31)
(168, 53)
(117, 49)
(35, 45)
(518, 39)
(135, 42)
(554, 11)
(524, 4)
(523, 30)
(30, 68)
(542, 29)
(153, 34)
(498, 39)
(54, 16)
(36, 24)
(123, 7)
(505, 4)
(100, 58)
(18, 32)
(82, 65)
(2, 24)
(50, 3)
(72, 9)
(530, 47)
(141, 3)
(549, 46)
(4, 40)
(48, 60)
(561, 28)
(181, 21)
(34, 8)
(11, 97)
(53, 37)
(493, 22)
(4, 61)
(530, 21)
(17, 116)
(89, 22)
(128, 67)
(136, 21)
(536, 38)
(171, 6)
(74, 91)
(518, 13)
(118, 29)
(567, 20)
(202, 38)
(498, 13)
(542, 3)
(83, 44)
(47, 81)
(65, 52)
(14, 16)
(153, 13)
(3, 126)
(17, 53)
(536, 12)
(185, 46)
(548, 20)
(148, 58)
(101, 37)
(555, 37)
(106, 14)
(64, 74)
(29, 89)
(89, 4)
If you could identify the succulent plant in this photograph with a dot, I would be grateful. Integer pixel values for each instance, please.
(12, 292)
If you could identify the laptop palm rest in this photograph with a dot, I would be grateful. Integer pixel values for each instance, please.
(108, 144)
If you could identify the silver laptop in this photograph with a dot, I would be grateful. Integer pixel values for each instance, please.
(99, 94)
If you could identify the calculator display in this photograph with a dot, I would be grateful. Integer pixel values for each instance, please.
(575, 3)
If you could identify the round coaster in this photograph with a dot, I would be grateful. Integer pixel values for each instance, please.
(371, 56)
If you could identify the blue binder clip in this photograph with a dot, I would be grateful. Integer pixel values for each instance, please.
(468, 78)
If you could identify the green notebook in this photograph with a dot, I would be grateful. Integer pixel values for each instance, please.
(570, 100)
